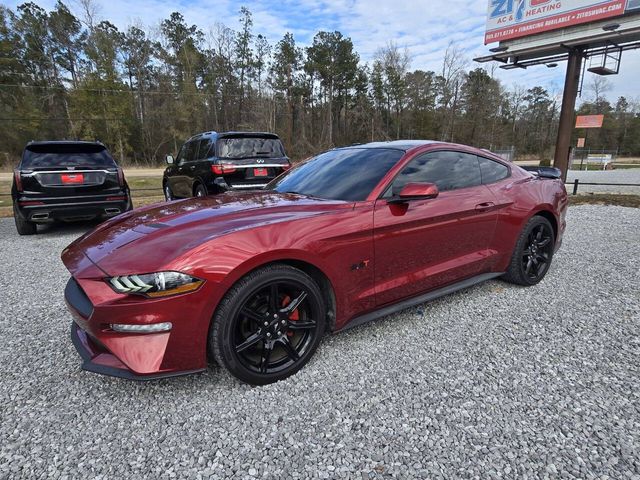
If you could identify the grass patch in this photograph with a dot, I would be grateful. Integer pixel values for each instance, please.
(621, 200)
(598, 168)
(145, 182)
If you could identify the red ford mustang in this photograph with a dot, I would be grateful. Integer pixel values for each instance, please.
(254, 279)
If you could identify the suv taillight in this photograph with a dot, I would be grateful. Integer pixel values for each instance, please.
(121, 177)
(18, 179)
(286, 167)
(222, 169)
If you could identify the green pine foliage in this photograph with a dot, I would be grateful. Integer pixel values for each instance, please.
(143, 91)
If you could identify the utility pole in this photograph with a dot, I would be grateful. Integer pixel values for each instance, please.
(567, 113)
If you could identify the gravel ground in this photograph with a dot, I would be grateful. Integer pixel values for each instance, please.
(630, 175)
(493, 382)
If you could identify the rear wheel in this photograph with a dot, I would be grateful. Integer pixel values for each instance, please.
(268, 325)
(533, 253)
(200, 191)
(23, 226)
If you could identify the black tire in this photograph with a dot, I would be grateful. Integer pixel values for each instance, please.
(23, 226)
(200, 191)
(533, 253)
(259, 354)
(168, 194)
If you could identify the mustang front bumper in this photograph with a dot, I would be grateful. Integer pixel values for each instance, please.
(137, 356)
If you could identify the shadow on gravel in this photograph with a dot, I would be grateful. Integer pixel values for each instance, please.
(66, 228)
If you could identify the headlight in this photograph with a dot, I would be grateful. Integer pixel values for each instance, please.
(160, 284)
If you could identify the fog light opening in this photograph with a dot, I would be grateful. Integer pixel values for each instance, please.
(150, 328)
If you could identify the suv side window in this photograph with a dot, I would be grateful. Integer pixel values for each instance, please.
(203, 148)
(188, 152)
(492, 171)
(448, 170)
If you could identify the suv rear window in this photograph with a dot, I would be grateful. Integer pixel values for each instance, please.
(67, 155)
(247, 147)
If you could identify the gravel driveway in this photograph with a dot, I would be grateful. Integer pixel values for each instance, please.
(493, 382)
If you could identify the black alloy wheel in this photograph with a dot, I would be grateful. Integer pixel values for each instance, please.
(533, 253)
(536, 256)
(268, 325)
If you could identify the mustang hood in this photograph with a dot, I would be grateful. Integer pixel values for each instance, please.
(168, 230)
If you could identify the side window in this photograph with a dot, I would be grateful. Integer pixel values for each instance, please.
(492, 171)
(203, 148)
(181, 154)
(448, 170)
(188, 152)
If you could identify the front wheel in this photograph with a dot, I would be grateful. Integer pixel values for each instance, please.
(268, 325)
(532, 256)
(168, 195)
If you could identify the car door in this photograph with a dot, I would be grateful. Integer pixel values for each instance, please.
(184, 170)
(201, 166)
(424, 244)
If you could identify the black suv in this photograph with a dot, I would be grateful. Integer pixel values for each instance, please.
(66, 180)
(211, 163)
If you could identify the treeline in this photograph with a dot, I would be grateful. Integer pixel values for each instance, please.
(144, 90)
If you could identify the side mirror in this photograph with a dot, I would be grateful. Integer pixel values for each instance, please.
(415, 191)
(169, 159)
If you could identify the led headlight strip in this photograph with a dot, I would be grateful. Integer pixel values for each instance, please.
(159, 284)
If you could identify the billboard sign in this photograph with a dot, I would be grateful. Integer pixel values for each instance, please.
(509, 19)
(589, 121)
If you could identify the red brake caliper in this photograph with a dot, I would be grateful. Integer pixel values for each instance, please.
(295, 316)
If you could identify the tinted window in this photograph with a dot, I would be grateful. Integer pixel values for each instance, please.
(67, 155)
(492, 171)
(247, 147)
(448, 170)
(348, 174)
(203, 148)
(188, 151)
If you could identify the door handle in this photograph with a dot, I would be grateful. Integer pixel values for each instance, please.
(483, 207)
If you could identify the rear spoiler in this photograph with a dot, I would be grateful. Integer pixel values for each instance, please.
(544, 172)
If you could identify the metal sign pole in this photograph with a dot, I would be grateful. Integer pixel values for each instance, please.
(567, 113)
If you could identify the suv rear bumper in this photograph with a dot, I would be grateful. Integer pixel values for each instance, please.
(42, 210)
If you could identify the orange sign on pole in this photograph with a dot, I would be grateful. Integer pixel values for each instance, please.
(589, 121)
(581, 142)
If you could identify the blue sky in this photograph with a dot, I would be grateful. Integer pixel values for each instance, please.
(425, 27)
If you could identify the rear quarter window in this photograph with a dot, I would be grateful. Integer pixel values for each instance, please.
(492, 171)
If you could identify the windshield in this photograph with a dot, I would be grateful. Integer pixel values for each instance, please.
(348, 174)
(246, 147)
(66, 155)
